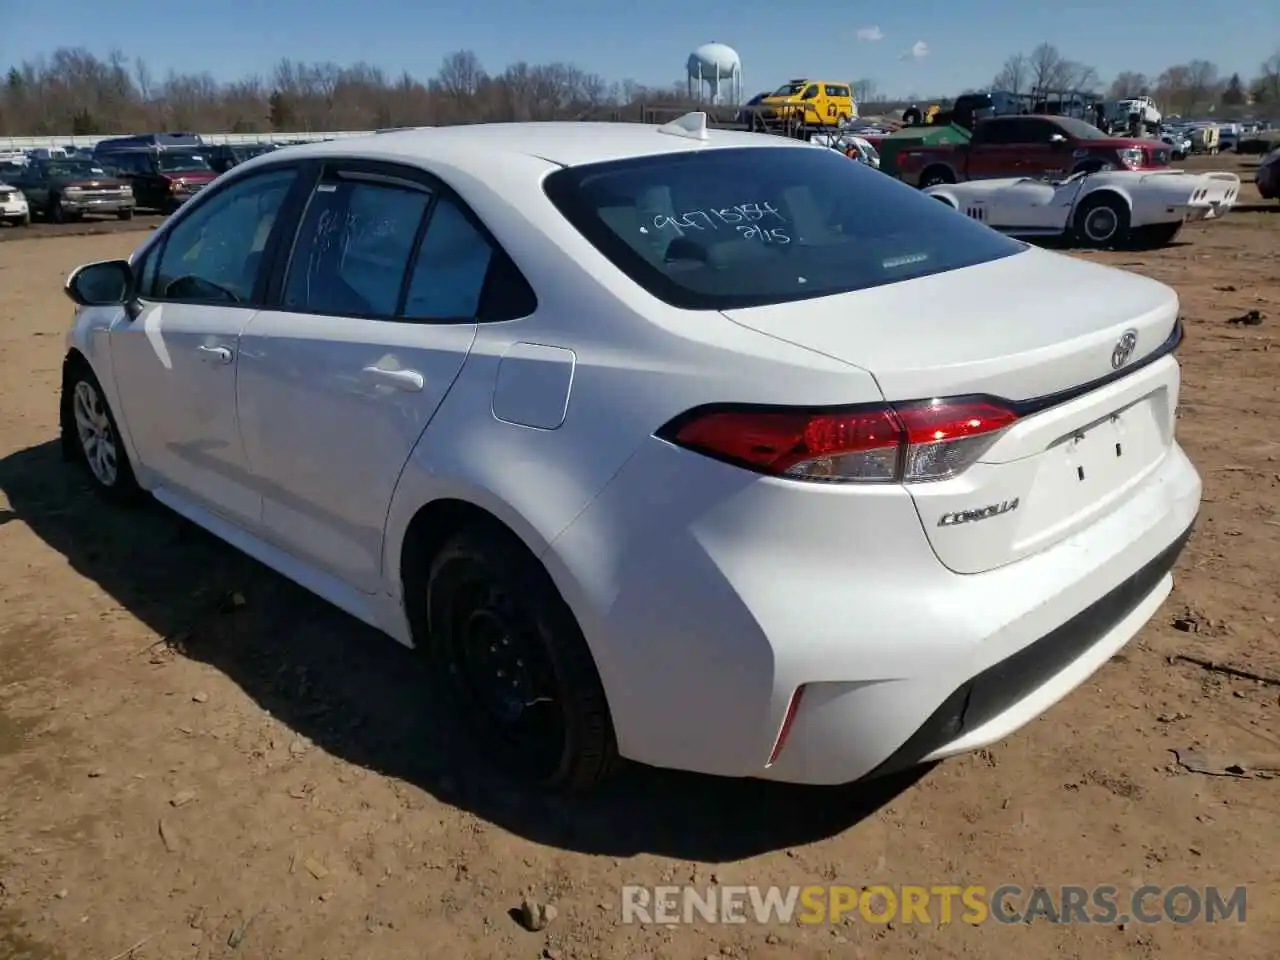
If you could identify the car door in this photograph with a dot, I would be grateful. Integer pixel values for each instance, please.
(995, 151)
(1047, 149)
(1030, 206)
(34, 186)
(175, 354)
(374, 315)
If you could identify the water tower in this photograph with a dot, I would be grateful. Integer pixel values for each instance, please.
(715, 70)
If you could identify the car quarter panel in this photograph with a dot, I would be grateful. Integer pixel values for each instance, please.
(638, 363)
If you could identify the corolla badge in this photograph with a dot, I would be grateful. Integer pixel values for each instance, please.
(1124, 348)
(981, 513)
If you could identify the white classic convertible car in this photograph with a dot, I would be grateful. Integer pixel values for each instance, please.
(1106, 209)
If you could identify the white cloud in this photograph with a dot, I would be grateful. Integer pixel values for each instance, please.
(919, 50)
(870, 33)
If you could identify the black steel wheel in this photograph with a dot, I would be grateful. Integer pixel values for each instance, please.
(516, 664)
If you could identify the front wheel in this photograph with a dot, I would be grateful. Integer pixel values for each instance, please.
(1102, 222)
(517, 665)
(91, 436)
(124, 214)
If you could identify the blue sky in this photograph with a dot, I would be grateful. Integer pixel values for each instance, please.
(649, 40)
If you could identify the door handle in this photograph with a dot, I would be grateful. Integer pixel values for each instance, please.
(409, 380)
(215, 354)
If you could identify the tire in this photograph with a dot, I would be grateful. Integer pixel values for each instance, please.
(1101, 221)
(91, 437)
(124, 214)
(56, 213)
(934, 176)
(552, 728)
(1153, 236)
(23, 221)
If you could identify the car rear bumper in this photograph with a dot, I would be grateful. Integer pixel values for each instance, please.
(710, 595)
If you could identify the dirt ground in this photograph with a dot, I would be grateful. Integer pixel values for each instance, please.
(200, 760)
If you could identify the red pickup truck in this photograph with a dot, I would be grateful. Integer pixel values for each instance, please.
(1028, 146)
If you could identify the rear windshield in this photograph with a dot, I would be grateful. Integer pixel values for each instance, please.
(716, 229)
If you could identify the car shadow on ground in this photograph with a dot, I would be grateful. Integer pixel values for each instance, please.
(364, 698)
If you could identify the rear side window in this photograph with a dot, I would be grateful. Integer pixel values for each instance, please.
(353, 249)
(453, 263)
(716, 229)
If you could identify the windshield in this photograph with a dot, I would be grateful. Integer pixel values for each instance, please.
(183, 163)
(788, 90)
(722, 228)
(1079, 129)
(74, 169)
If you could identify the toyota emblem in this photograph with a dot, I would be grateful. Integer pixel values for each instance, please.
(1124, 348)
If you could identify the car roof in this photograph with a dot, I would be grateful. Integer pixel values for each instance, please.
(566, 144)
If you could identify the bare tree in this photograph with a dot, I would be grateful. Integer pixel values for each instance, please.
(1128, 85)
(1013, 75)
(1266, 88)
(1203, 85)
(1172, 88)
(1047, 68)
(142, 78)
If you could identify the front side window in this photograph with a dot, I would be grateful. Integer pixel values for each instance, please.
(353, 248)
(214, 253)
(722, 228)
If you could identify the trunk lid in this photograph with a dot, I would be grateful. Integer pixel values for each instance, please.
(1039, 330)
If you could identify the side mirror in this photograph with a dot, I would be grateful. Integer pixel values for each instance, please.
(108, 283)
(1057, 139)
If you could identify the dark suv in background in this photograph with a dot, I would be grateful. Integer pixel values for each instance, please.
(162, 179)
(165, 169)
(225, 156)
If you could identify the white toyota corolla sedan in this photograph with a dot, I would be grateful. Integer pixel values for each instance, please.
(705, 449)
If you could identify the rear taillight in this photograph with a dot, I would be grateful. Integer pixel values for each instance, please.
(902, 443)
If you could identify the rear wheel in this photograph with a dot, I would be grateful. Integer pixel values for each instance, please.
(516, 663)
(934, 176)
(1102, 222)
